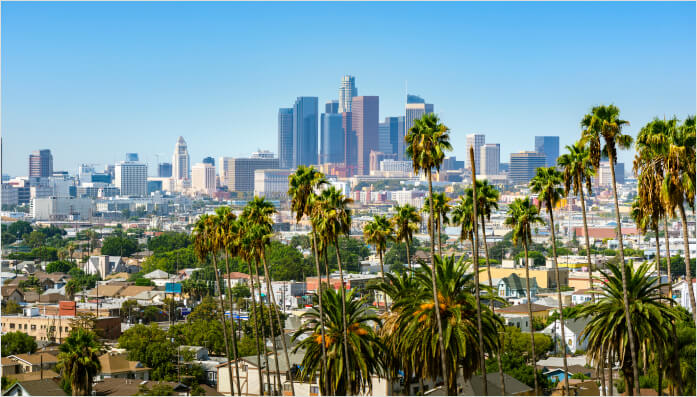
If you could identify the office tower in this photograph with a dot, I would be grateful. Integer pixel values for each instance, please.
(131, 156)
(490, 158)
(416, 107)
(390, 134)
(332, 138)
(523, 165)
(85, 172)
(377, 157)
(180, 161)
(203, 178)
(475, 141)
(304, 131)
(209, 160)
(603, 176)
(549, 146)
(238, 173)
(164, 170)
(271, 183)
(131, 178)
(285, 137)
(350, 154)
(347, 91)
(40, 164)
(451, 163)
(365, 124)
(331, 106)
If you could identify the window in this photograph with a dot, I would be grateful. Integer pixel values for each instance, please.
(33, 327)
(245, 368)
(315, 390)
(12, 325)
(25, 326)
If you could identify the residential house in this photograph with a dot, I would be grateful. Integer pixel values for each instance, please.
(28, 362)
(42, 387)
(573, 327)
(539, 312)
(474, 386)
(681, 293)
(195, 352)
(513, 286)
(115, 365)
(132, 387)
(12, 293)
(104, 265)
(36, 375)
(580, 297)
(578, 387)
(149, 298)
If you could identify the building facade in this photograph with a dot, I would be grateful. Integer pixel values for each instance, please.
(181, 165)
(164, 170)
(40, 164)
(475, 141)
(523, 165)
(203, 178)
(332, 138)
(549, 146)
(416, 107)
(271, 183)
(347, 91)
(285, 137)
(391, 131)
(61, 208)
(239, 172)
(364, 121)
(304, 131)
(131, 178)
(490, 158)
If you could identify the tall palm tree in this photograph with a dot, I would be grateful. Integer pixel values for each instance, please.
(577, 171)
(78, 360)
(406, 221)
(441, 208)
(418, 335)
(332, 218)
(378, 232)
(427, 141)
(607, 331)
(522, 217)
(204, 245)
(603, 122)
(258, 212)
(365, 349)
(302, 185)
(547, 184)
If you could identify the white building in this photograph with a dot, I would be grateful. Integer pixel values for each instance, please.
(682, 294)
(475, 141)
(131, 178)
(61, 208)
(389, 165)
(104, 265)
(10, 194)
(203, 178)
(489, 158)
(180, 161)
(573, 328)
(271, 182)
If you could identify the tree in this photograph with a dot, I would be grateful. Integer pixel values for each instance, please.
(364, 352)
(19, 229)
(35, 239)
(150, 345)
(441, 209)
(522, 217)
(60, 266)
(17, 343)
(157, 390)
(604, 122)
(379, 232)
(169, 241)
(427, 141)
(302, 241)
(78, 360)
(119, 245)
(286, 262)
(405, 222)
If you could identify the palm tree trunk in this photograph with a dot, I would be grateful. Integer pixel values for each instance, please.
(256, 325)
(273, 333)
(610, 361)
(321, 310)
(232, 323)
(440, 241)
(686, 247)
(491, 303)
(222, 321)
(660, 370)
(382, 270)
(347, 369)
(676, 372)
(561, 306)
(326, 268)
(588, 244)
(532, 328)
(278, 320)
(601, 370)
(630, 328)
(411, 269)
(475, 250)
(263, 331)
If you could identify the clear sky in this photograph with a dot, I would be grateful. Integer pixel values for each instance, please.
(92, 81)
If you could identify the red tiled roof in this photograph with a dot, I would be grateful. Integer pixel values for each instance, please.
(604, 232)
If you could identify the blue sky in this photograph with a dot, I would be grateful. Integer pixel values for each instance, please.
(92, 81)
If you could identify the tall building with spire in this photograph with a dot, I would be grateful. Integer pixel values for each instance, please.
(181, 166)
(347, 91)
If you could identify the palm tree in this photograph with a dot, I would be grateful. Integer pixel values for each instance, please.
(71, 249)
(406, 221)
(302, 185)
(547, 185)
(604, 122)
(427, 141)
(522, 217)
(78, 360)
(418, 335)
(607, 331)
(258, 212)
(204, 245)
(332, 218)
(379, 232)
(577, 171)
(441, 208)
(365, 349)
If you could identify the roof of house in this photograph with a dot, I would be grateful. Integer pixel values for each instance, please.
(148, 295)
(117, 363)
(236, 275)
(133, 290)
(106, 290)
(475, 387)
(575, 325)
(31, 296)
(35, 359)
(36, 375)
(516, 283)
(156, 274)
(43, 387)
(9, 290)
(129, 387)
(523, 308)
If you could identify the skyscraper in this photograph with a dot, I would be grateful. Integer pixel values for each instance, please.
(416, 107)
(475, 141)
(209, 160)
(180, 161)
(131, 178)
(347, 91)
(390, 132)
(304, 131)
(164, 170)
(489, 158)
(350, 154)
(203, 178)
(549, 146)
(285, 137)
(523, 165)
(332, 138)
(365, 122)
(331, 106)
(238, 173)
(41, 163)
(131, 156)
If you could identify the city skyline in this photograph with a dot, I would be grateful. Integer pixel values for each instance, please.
(139, 96)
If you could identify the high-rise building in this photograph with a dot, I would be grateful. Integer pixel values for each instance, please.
(523, 165)
(85, 172)
(285, 138)
(416, 108)
(347, 91)
(332, 139)
(271, 183)
(131, 178)
(131, 156)
(475, 141)
(490, 158)
(164, 170)
(365, 122)
(350, 151)
(209, 160)
(203, 178)
(377, 157)
(390, 132)
(331, 106)
(603, 177)
(549, 146)
(238, 173)
(40, 164)
(304, 131)
(180, 161)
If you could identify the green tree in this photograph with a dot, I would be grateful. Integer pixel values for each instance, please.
(150, 345)
(17, 343)
(441, 208)
(35, 239)
(379, 232)
(169, 241)
(405, 222)
(60, 266)
(19, 229)
(119, 245)
(78, 360)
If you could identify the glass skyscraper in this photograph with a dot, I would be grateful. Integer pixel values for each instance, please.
(391, 131)
(347, 91)
(285, 138)
(365, 124)
(549, 145)
(332, 138)
(305, 131)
